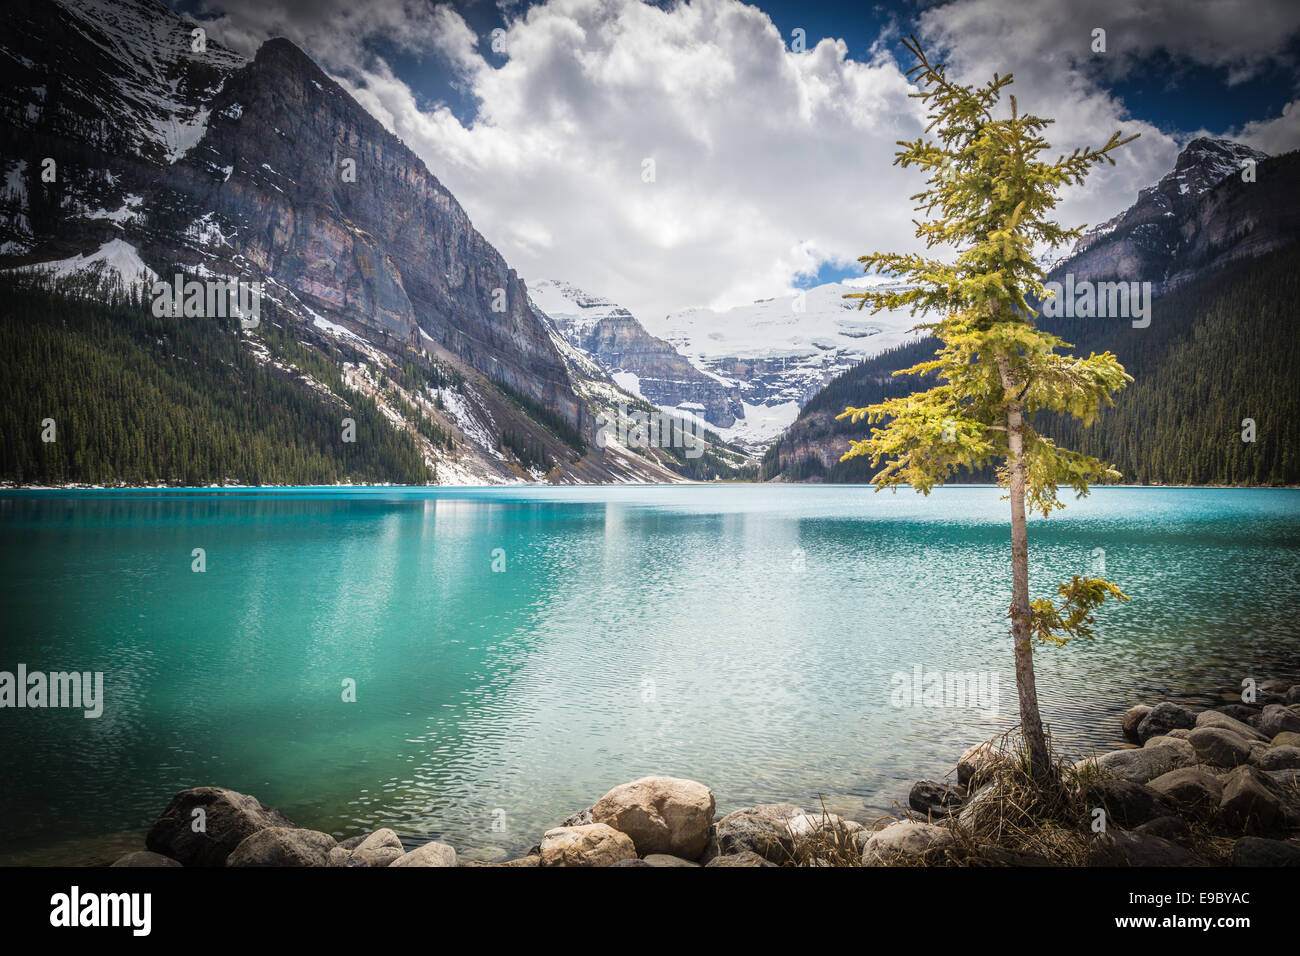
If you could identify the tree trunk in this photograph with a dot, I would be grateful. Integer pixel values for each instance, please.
(1031, 723)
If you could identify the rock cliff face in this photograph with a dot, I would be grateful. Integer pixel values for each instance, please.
(1200, 216)
(264, 170)
(392, 250)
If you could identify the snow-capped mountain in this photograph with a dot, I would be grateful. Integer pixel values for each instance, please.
(780, 352)
(642, 364)
(747, 370)
(1201, 166)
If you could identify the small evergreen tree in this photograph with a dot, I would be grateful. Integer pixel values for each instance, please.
(989, 196)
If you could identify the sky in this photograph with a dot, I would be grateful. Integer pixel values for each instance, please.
(675, 154)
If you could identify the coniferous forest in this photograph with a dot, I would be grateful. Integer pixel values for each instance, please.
(139, 399)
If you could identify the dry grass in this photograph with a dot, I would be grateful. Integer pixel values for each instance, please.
(830, 841)
(1011, 817)
(1044, 815)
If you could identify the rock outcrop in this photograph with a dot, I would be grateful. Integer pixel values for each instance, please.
(203, 825)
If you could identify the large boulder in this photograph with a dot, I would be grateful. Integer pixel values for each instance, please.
(818, 836)
(661, 815)
(431, 854)
(1219, 747)
(203, 825)
(1126, 803)
(595, 844)
(283, 846)
(1249, 801)
(1277, 719)
(1213, 718)
(905, 842)
(935, 798)
(145, 858)
(1285, 785)
(1286, 779)
(665, 860)
(1257, 851)
(1195, 790)
(1122, 848)
(1243, 713)
(1277, 758)
(1167, 827)
(823, 825)
(980, 763)
(764, 829)
(1132, 718)
(1164, 718)
(1145, 763)
(743, 858)
(380, 848)
(342, 856)
(984, 807)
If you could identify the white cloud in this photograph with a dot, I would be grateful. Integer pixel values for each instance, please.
(1241, 37)
(1047, 45)
(767, 163)
(1278, 135)
(333, 31)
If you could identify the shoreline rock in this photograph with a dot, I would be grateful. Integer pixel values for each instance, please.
(1219, 785)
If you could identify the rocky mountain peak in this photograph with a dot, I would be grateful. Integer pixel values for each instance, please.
(1199, 216)
(1204, 163)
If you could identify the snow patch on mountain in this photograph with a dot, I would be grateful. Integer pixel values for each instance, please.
(810, 326)
(574, 311)
(463, 414)
(761, 425)
(774, 354)
(155, 95)
(128, 211)
(116, 257)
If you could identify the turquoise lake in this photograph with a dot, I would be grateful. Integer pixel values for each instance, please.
(747, 636)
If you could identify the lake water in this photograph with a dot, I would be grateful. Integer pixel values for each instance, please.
(744, 636)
